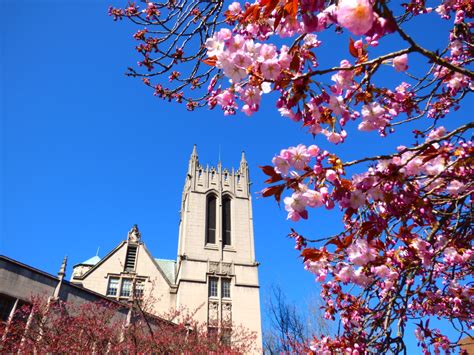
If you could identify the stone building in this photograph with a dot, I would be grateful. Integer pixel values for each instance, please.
(215, 273)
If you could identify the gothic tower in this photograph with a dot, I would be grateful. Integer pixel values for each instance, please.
(216, 268)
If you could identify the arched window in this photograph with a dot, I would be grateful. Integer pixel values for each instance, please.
(211, 219)
(226, 222)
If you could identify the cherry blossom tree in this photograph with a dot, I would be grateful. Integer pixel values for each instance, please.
(404, 255)
(48, 326)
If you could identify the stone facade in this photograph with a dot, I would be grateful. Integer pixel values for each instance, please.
(215, 273)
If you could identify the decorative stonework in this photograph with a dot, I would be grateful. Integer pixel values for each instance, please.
(134, 235)
(213, 267)
(226, 268)
(213, 313)
(226, 314)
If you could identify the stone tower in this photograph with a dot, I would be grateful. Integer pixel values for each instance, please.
(216, 268)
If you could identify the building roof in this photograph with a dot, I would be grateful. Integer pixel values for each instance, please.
(169, 268)
(91, 261)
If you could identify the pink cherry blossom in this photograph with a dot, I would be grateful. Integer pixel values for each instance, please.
(299, 156)
(400, 63)
(360, 253)
(355, 15)
(374, 117)
(270, 69)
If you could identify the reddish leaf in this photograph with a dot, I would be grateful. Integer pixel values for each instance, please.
(291, 8)
(278, 18)
(274, 178)
(268, 170)
(353, 50)
(210, 61)
(279, 192)
(295, 62)
(270, 5)
(312, 254)
(249, 14)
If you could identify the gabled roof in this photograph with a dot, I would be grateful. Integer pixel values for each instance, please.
(168, 267)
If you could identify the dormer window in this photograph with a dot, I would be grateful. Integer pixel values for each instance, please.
(211, 219)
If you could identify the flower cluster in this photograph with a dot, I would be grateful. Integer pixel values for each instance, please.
(389, 248)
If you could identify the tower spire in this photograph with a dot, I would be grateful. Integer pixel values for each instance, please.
(243, 160)
(62, 269)
(193, 162)
(194, 153)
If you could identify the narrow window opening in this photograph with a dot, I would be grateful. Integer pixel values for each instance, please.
(211, 220)
(226, 221)
(131, 258)
(225, 284)
(213, 282)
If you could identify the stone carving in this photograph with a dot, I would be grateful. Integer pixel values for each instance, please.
(134, 235)
(213, 313)
(227, 313)
(226, 268)
(213, 267)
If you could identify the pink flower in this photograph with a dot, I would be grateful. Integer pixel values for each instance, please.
(400, 63)
(355, 15)
(251, 95)
(235, 8)
(357, 199)
(270, 69)
(281, 165)
(360, 253)
(313, 150)
(314, 198)
(296, 206)
(299, 156)
(455, 187)
(374, 117)
(331, 175)
(345, 274)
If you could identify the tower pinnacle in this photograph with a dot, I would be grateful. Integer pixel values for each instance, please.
(62, 269)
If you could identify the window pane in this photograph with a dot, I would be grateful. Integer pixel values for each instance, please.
(226, 223)
(212, 332)
(139, 288)
(112, 286)
(211, 220)
(225, 288)
(126, 290)
(213, 286)
(226, 336)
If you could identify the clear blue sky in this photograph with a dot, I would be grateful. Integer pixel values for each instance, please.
(87, 152)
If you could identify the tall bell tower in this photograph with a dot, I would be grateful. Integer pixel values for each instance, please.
(217, 273)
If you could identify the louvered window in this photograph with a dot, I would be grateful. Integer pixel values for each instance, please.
(131, 258)
(226, 222)
(211, 220)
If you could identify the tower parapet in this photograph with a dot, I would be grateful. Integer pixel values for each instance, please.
(204, 178)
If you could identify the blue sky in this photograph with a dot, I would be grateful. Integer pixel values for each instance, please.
(86, 152)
